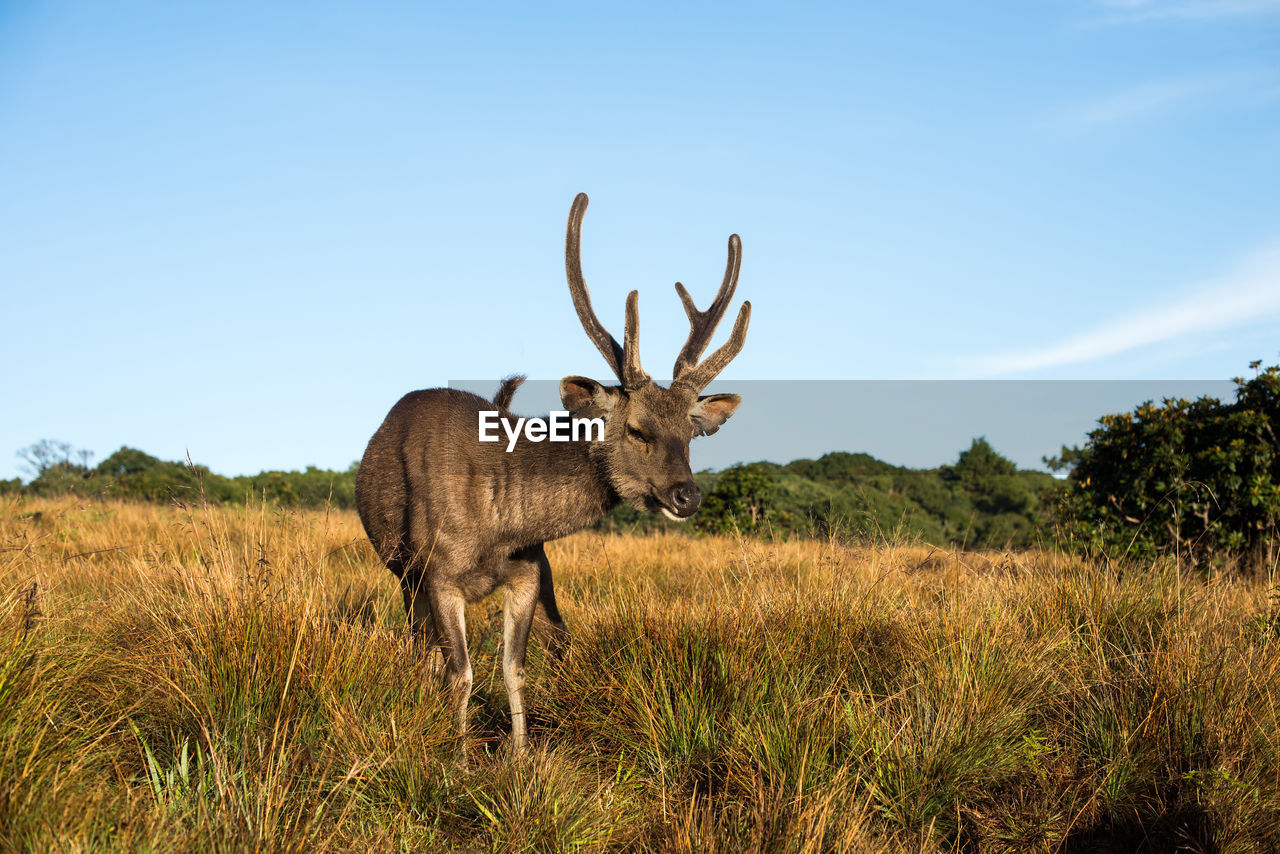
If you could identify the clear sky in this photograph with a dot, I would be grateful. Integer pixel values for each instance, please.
(244, 229)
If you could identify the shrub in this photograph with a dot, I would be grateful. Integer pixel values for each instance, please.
(1195, 478)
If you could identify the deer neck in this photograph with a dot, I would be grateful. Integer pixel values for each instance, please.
(562, 488)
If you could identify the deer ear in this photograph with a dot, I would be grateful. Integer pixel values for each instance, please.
(588, 398)
(711, 411)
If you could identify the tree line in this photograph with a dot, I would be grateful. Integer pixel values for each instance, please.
(1196, 479)
(129, 473)
(980, 500)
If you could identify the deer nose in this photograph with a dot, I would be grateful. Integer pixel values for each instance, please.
(686, 498)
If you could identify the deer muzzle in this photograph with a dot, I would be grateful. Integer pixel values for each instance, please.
(684, 499)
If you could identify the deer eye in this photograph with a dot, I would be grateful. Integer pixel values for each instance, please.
(637, 435)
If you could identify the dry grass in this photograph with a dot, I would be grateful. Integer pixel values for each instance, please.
(227, 679)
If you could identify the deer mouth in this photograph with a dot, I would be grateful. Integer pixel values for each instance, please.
(677, 503)
(653, 504)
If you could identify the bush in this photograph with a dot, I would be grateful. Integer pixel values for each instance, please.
(1199, 479)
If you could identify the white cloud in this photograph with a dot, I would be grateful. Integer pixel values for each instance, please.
(1248, 293)
(1138, 11)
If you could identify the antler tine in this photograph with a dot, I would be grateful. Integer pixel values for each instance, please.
(702, 324)
(633, 373)
(699, 377)
(605, 343)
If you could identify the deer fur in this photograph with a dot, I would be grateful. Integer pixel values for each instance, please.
(455, 519)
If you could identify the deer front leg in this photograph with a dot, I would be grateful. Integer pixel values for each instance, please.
(517, 618)
(448, 607)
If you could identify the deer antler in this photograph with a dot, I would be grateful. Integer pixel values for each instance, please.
(624, 361)
(688, 371)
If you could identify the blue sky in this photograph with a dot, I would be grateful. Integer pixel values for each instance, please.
(244, 229)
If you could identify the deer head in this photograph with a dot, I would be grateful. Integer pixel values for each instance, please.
(645, 451)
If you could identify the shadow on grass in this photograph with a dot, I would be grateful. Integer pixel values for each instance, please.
(1185, 828)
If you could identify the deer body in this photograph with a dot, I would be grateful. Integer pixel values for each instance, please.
(455, 518)
(479, 496)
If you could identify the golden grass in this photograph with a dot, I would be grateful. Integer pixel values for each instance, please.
(179, 678)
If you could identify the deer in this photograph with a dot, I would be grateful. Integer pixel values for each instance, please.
(454, 519)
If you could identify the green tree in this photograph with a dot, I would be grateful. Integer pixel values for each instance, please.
(740, 501)
(1065, 460)
(990, 480)
(130, 473)
(56, 467)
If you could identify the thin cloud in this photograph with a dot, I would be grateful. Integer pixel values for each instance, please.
(1248, 293)
(1139, 102)
(1141, 11)
(1148, 100)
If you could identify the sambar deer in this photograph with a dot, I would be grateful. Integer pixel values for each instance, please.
(455, 518)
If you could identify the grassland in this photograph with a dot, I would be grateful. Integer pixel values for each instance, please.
(192, 678)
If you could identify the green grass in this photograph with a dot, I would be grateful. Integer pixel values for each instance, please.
(176, 679)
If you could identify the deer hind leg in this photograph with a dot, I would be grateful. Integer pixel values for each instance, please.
(420, 619)
(517, 618)
(547, 622)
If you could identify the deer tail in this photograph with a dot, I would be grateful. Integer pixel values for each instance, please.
(507, 391)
